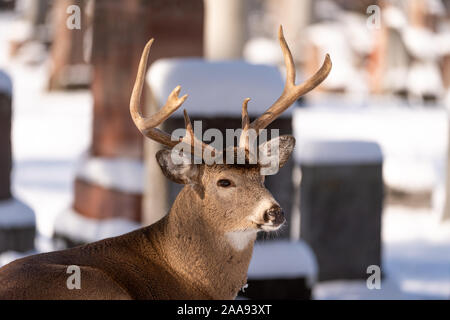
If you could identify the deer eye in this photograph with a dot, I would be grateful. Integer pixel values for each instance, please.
(224, 183)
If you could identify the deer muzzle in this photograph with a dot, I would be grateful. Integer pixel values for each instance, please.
(274, 216)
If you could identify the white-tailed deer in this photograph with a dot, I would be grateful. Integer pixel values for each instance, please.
(202, 248)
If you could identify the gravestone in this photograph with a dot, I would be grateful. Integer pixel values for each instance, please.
(216, 91)
(107, 186)
(7, 4)
(17, 223)
(341, 199)
(5, 136)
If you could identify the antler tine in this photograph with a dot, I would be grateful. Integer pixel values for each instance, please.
(192, 140)
(190, 136)
(148, 125)
(243, 141)
(245, 117)
(291, 92)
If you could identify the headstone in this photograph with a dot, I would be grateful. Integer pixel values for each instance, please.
(120, 31)
(216, 91)
(5, 136)
(341, 200)
(281, 270)
(7, 4)
(17, 223)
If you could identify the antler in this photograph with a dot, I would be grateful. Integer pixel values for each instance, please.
(148, 126)
(292, 92)
(244, 139)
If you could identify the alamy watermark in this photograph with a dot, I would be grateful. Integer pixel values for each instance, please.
(373, 22)
(74, 280)
(374, 280)
(73, 22)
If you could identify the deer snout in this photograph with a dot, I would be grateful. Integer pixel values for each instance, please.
(275, 216)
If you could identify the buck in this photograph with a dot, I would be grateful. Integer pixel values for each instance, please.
(202, 248)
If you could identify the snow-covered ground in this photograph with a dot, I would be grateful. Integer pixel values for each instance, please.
(51, 132)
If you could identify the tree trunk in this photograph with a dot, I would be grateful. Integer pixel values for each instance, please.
(69, 52)
(225, 29)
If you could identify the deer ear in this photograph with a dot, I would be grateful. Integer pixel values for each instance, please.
(179, 169)
(275, 153)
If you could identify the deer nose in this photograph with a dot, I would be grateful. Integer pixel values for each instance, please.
(274, 215)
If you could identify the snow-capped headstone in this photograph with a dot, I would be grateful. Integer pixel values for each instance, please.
(216, 91)
(17, 223)
(341, 198)
(281, 270)
(69, 224)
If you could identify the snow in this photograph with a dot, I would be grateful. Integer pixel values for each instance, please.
(5, 84)
(216, 88)
(10, 256)
(120, 174)
(338, 152)
(14, 213)
(443, 41)
(69, 223)
(263, 51)
(357, 290)
(418, 253)
(421, 43)
(425, 78)
(20, 31)
(355, 28)
(424, 75)
(33, 53)
(331, 38)
(394, 18)
(283, 260)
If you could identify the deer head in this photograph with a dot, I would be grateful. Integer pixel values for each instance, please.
(232, 196)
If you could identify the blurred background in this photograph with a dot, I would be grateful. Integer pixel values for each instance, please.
(366, 192)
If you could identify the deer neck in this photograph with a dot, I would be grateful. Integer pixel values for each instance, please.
(214, 264)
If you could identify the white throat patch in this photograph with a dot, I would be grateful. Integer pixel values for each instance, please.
(240, 240)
